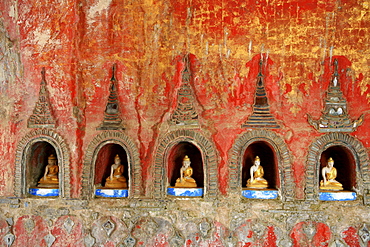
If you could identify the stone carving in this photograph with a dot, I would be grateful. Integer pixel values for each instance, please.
(364, 234)
(256, 173)
(177, 240)
(42, 116)
(311, 234)
(29, 225)
(205, 227)
(309, 229)
(109, 230)
(9, 239)
(89, 240)
(129, 241)
(50, 178)
(329, 173)
(335, 114)
(185, 180)
(108, 227)
(337, 243)
(68, 225)
(49, 239)
(261, 116)
(112, 120)
(185, 113)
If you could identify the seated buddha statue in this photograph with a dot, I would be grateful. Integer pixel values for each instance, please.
(116, 180)
(256, 172)
(50, 178)
(329, 173)
(185, 180)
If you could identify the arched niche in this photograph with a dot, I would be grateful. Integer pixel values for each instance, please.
(178, 139)
(175, 159)
(267, 155)
(100, 156)
(350, 156)
(31, 159)
(37, 161)
(277, 167)
(105, 159)
(344, 162)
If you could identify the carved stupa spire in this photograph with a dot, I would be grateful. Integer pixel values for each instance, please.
(185, 113)
(335, 116)
(42, 116)
(261, 116)
(112, 120)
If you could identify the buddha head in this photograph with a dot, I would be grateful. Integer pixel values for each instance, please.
(52, 160)
(186, 161)
(257, 161)
(117, 160)
(330, 162)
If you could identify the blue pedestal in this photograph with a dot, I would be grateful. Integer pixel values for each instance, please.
(260, 194)
(337, 195)
(44, 192)
(113, 193)
(193, 192)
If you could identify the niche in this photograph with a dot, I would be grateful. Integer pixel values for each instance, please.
(175, 161)
(36, 163)
(344, 163)
(104, 160)
(268, 161)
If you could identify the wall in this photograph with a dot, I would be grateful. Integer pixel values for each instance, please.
(78, 41)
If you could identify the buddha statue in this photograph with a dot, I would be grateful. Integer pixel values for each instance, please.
(185, 180)
(329, 173)
(116, 180)
(50, 178)
(256, 172)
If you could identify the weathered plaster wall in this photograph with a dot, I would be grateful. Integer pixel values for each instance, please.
(78, 41)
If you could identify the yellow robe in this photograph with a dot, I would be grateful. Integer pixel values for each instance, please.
(258, 181)
(331, 183)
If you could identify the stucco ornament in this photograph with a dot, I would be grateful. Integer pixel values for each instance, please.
(112, 119)
(42, 116)
(261, 116)
(185, 113)
(335, 116)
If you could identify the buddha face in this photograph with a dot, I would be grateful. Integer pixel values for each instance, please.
(186, 163)
(52, 162)
(117, 161)
(330, 164)
(257, 162)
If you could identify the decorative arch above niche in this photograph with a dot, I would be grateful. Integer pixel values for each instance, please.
(117, 139)
(355, 152)
(277, 145)
(209, 158)
(41, 140)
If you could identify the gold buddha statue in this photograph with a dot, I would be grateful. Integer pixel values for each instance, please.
(329, 173)
(185, 180)
(256, 172)
(50, 178)
(116, 180)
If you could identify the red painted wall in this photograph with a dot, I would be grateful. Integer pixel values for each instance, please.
(78, 41)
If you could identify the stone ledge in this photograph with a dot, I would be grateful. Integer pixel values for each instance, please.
(337, 195)
(44, 192)
(112, 193)
(260, 194)
(190, 192)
